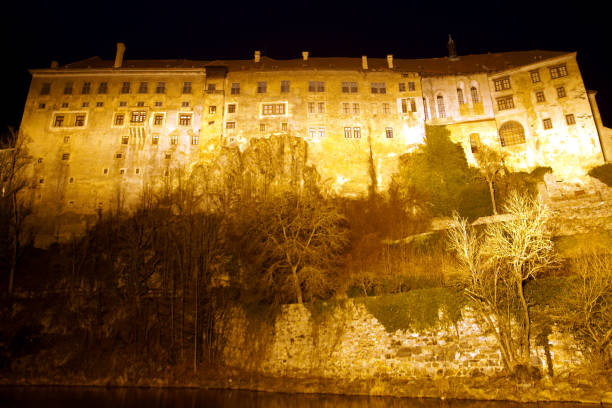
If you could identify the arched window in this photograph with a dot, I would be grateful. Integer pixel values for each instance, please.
(441, 108)
(511, 133)
(475, 95)
(425, 108)
(474, 142)
(460, 96)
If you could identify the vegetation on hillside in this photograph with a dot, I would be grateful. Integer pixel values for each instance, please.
(255, 229)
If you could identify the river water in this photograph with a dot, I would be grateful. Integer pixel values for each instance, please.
(89, 397)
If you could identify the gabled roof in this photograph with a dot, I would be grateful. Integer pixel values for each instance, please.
(465, 64)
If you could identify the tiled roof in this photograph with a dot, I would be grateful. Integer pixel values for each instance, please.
(465, 64)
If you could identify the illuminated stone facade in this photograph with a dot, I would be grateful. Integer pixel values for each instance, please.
(98, 130)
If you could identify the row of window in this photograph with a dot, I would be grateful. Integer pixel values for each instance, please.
(99, 104)
(556, 71)
(507, 102)
(139, 117)
(319, 86)
(126, 88)
(174, 140)
(473, 92)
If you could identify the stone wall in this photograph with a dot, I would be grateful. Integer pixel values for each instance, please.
(350, 344)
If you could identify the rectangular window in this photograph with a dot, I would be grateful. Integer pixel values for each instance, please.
(195, 139)
(378, 88)
(174, 139)
(402, 87)
(68, 88)
(547, 123)
(187, 87)
(316, 86)
(356, 133)
(41, 106)
(321, 132)
(79, 120)
(389, 133)
(561, 92)
(158, 120)
(285, 86)
(125, 88)
(349, 87)
(140, 103)
(66, 139)
(558, 71)
(64, 104)
(311, 106)
(119, 119)
(99, 104)
(143, 88)
(506, 102)
(118, 156)
(185, 104)
(411, 86)
(86, 88)
(184, 119)
(273, 109)
(45, 89)
(85, 105)
(212, 109)
(386, 109)
(284, 126)
(103, 88)
(155, 139)
(346, 108)
(356, 109)
(138, 117)
(312, 132)
(262, 127)
(412, 105)
(235, 89)
(123, 103)
(211, 88)
(540, 96)
(570, 119)
(262, 87)
(160, 88)
(125, 139)
(231, 108)
(404, 105)
(535, 76)
(65, 156)
(321, 107)
(230, 125)
(502, 84)
(158, 103)
(347, 132)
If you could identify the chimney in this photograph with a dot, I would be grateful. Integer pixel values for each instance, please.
(390, 61)
(257, 56)
(119, 55)
(364, 62)
(452, 49)
(54, 64)
(305, 55)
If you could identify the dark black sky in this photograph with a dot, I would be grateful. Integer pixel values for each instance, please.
(34, 34)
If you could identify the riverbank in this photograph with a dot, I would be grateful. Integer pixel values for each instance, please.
(585, 388)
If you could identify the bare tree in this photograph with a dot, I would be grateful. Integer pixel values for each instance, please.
(587, 311)
(497, 264)
(491, 166)
(303, 236)
(15, 205)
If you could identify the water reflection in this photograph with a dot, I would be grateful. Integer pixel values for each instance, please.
(69, 397)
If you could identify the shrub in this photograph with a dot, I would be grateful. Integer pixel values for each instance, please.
(603, 173)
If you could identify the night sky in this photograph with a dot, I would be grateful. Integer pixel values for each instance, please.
(34, 34)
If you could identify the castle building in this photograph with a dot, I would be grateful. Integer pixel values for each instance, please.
(94, 126)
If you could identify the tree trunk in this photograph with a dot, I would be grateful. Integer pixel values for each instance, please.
(492, 192)
(296, 283)
(526, 325)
